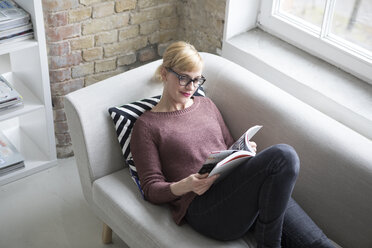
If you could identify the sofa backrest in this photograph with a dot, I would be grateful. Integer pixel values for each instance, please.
(335, 181)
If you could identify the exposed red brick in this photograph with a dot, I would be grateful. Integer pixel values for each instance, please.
(59, 115)
(60, 75)
(63, 88)
(57, 102)
(59, 49)
(147, 54)
(60, 127)
(57, 62)
(61, 33)
(57, 19)
(58, 5)
(63, 139)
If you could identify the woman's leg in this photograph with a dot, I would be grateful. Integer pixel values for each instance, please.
(260, 187)
(299, 230)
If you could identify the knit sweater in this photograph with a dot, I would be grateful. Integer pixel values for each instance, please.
(169, 146)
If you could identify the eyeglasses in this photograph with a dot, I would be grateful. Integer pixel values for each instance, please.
(185, 80)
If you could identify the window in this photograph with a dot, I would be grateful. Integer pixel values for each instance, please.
(338, 31)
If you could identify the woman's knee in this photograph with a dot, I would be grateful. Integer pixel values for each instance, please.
(288, 158)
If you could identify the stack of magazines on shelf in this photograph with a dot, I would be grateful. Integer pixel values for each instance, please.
(15, 24)
(9, 97)
(10, 158)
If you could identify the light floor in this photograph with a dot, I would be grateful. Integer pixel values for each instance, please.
(48, 210)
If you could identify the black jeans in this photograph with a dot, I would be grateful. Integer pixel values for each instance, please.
(256, 196)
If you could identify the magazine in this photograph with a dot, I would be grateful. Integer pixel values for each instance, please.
(8, 95)
(15, 31)
(10, 158)
(223, 162)
(11, 15)
(29, 34)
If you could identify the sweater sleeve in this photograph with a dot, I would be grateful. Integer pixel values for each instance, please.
(146, 158)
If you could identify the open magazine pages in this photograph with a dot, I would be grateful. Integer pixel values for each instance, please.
(243, 142)
(222, 162)
(230, 162)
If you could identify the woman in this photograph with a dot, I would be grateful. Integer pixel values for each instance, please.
(171, 142)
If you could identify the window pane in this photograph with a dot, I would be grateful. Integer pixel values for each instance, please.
(308, 11)
(352, 21)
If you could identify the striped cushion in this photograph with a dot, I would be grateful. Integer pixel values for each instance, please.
(124, 118)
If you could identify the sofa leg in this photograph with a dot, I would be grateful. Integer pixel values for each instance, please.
(106, 234)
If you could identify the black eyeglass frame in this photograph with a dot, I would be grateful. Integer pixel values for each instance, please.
(180, 77)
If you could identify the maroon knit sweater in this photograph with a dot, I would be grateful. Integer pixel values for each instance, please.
(169, 146)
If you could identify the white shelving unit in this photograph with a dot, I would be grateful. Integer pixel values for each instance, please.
(30, 128)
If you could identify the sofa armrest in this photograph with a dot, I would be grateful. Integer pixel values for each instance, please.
(93, 135)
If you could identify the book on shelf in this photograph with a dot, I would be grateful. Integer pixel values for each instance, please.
(9, 97)
(15, 24)
(14, 31)
(10, 158)
(11, 15)
(223, 162)
(29, 34)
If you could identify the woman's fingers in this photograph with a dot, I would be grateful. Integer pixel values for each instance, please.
(200, 176)
(253, 145)
(204, 184)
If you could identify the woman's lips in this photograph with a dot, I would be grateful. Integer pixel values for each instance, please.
(186, 94)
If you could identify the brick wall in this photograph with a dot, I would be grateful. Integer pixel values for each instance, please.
(90, 40)
(202, 23)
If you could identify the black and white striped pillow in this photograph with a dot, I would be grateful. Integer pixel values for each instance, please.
(124, 118)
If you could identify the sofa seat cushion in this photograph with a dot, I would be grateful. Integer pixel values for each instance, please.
(116, 195)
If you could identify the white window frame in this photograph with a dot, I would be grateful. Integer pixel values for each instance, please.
(330, 48)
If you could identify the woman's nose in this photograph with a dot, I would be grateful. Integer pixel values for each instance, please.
(190, 85)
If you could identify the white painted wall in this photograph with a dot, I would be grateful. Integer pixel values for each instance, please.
(241, 16)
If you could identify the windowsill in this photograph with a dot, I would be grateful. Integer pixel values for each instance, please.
(330, 90)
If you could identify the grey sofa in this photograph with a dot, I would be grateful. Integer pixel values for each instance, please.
(334, 186)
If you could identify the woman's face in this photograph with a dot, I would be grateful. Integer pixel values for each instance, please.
(174, 90)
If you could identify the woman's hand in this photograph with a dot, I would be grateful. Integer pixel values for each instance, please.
(253, 145)
(196, 183)
(201, 183)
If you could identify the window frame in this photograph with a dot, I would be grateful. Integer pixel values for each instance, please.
(330, 48)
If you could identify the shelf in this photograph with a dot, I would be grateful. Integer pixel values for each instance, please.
(17, 46)
(31, 102)
(35, 159)
(29, 127)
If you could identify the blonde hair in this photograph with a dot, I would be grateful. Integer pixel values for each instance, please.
(180, 56)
